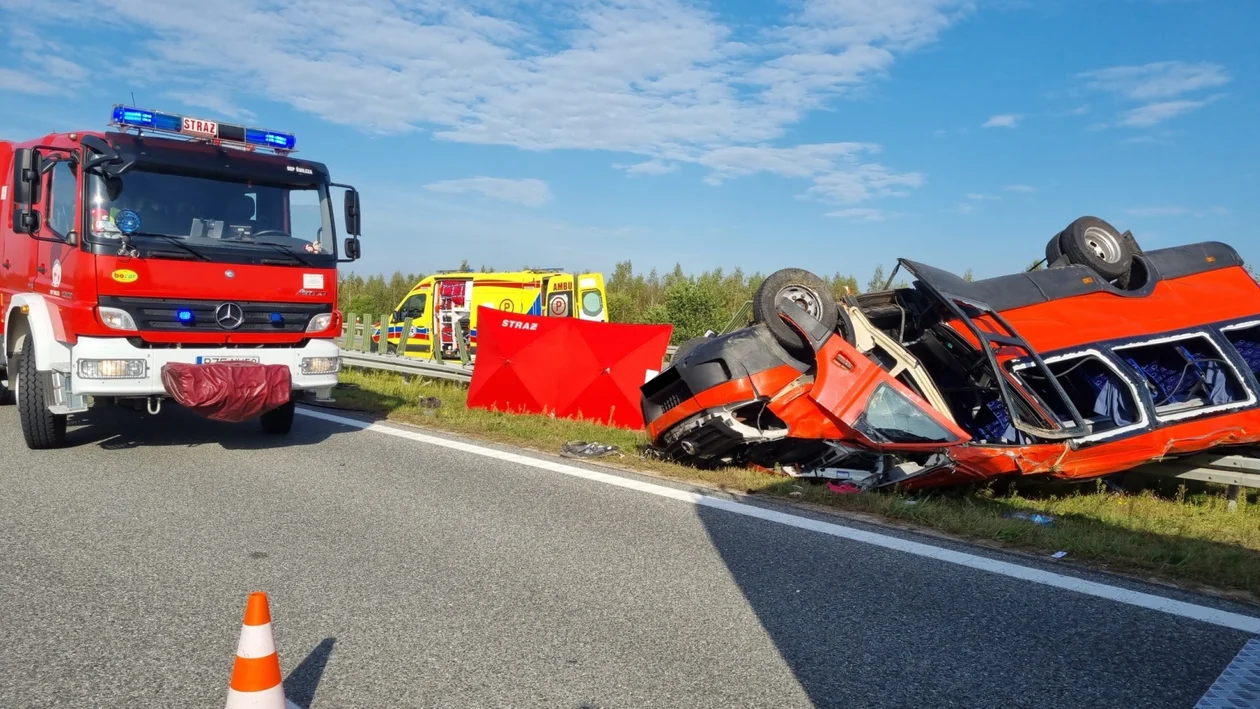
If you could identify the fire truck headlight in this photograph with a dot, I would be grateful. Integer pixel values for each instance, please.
(116, 319)
(320, 365)
(319, 323)
(112, 369)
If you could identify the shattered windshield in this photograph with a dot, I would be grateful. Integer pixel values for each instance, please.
(892, 418)
(205, 215)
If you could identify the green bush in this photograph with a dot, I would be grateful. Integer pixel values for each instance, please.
(691, 303)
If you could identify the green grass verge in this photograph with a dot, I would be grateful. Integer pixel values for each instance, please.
(1178, 537)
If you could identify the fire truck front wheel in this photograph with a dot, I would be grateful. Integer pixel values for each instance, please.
(280, 419)
(6, 390)
(41, 427)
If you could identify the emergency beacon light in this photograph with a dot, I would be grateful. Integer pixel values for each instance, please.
(200, 128)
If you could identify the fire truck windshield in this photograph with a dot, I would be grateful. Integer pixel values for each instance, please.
(215, 219)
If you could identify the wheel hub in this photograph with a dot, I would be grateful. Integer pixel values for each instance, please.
(806, 298)
(1104, 245)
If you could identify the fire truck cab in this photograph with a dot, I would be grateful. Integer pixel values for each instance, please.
(169, 257)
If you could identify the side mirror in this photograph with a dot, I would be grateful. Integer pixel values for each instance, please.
(28, 176)
(26, 220)
(353, 212)
(396, 316)
(352, 248)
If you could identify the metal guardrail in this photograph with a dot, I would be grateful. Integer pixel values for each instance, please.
(356, 347)
(407, 365)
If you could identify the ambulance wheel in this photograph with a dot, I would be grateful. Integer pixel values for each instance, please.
(806, 290)
(391, 348)
(280, 419)
(41, 427)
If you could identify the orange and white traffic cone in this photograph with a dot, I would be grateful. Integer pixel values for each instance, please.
(256, 682)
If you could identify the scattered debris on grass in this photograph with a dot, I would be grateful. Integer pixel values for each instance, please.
(582, 449)
(1184, 536)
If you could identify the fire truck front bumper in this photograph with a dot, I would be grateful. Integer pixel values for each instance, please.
(112, 366)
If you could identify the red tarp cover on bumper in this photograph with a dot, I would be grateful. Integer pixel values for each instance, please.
(228, 391)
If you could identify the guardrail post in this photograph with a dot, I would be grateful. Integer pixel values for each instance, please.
(404, 337)
(365, 341)
(740, 314)
(349, 337)
(458, 331)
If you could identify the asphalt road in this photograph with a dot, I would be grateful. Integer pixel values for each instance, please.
(403, 574)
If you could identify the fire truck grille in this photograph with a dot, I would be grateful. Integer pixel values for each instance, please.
(173, 314)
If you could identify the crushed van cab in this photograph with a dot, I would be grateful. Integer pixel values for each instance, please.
(1108, 358)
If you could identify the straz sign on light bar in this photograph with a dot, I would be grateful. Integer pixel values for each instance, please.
(196, 126)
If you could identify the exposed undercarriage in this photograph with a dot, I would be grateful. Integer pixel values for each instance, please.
(955, 388)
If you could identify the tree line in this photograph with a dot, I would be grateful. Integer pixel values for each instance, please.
(692, 303)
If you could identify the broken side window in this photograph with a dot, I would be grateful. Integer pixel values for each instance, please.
(1187, 375)
(1107, 400)
(1245, 338)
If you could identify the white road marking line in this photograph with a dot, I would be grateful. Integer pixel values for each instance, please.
(1235, 621)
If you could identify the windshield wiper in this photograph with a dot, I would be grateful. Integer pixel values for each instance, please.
(177, 241)
(286, 251)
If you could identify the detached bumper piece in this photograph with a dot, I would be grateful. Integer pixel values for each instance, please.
(228, 391)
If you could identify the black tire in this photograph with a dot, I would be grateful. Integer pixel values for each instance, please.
(41, 428)
(1092, 242)
(6, 392)
(1053, 251)
(279, 420)
(811, 288)
(391, 348)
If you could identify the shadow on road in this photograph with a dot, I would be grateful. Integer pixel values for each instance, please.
(118, 428)
(302, 682)
(863, 626)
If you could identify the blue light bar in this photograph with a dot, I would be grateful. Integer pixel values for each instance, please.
(270, 139)
(146, 119)
(203, 129)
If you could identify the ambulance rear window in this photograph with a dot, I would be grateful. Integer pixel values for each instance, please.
(592, 303)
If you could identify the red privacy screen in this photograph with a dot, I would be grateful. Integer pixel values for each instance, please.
(572, 368)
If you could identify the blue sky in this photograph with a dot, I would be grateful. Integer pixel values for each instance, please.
(827, 134)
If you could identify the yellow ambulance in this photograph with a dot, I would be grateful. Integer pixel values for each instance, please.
(439, 301)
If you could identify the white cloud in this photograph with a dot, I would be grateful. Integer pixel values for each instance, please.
(529, 192)
(39, 69)
(663, 79)
(22, 82)
(648, 167)
(1174, 211)
(1155, 113)
(864, 182)
(981, 197)
(859, 214)
(964, 208)
(1156, 211)
(1159, 88)
(1157, 80)
(1003, 120)
(799, 161)
(1026, 189)
(214, 101)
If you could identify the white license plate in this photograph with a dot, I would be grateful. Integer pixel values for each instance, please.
(212, 360)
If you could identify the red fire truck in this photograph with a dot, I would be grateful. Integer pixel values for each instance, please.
(169, 257)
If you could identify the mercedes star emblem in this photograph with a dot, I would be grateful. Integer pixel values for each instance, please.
(230, 273)
(229, 316)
